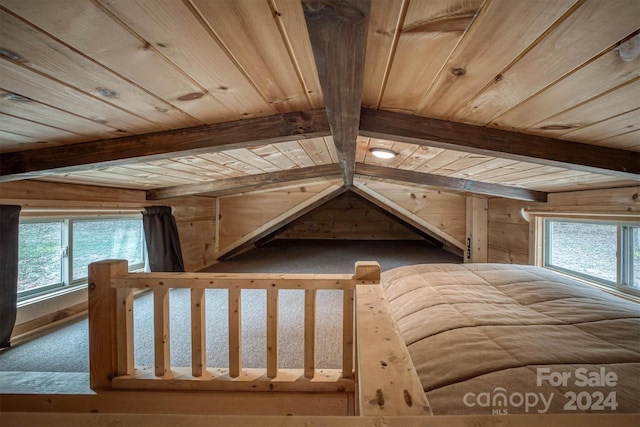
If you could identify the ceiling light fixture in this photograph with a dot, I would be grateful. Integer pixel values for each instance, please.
(383, 153)
(630, 49)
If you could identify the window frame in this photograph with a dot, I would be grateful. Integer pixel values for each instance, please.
(66, 253)
(624, 253)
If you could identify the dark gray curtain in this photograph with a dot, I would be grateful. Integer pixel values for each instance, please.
(161, 235)
(9, 224)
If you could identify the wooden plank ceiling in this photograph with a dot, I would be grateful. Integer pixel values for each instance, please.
(498, 97)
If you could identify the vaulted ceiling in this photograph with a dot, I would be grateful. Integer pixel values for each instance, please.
(499, 97)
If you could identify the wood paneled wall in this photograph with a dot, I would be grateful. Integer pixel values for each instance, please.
(508, 236)
(41, 195)
(476, 226)
(442, 214)
(241, 217)
(196, 221)
(348, 216)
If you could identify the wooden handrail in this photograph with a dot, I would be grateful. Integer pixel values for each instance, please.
(242, 280)
(111, 296)
(387, 380)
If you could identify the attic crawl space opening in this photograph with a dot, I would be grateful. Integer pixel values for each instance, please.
(345, 215)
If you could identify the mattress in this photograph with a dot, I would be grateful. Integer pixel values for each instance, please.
(506, 339)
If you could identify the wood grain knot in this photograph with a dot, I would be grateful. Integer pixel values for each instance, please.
(108, 93)
(407, 398)
(379, 398)
(458, 71)
(191, 96)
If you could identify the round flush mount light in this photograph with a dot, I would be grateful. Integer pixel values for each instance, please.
(383, 153)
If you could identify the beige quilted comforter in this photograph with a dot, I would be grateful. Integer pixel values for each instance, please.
(498, 339)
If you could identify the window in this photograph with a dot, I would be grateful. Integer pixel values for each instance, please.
(55, 253)
(39, 256)
(601, 251)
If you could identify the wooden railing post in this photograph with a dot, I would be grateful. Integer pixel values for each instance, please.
(103, 337)
(388, 384)
(365, 271)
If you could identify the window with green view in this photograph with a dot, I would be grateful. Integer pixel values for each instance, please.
(54, 254)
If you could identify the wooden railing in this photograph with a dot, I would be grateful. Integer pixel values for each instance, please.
(111, 291)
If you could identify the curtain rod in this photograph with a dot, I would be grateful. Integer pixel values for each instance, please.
(526, 214)
(87, 210)
(80, 210)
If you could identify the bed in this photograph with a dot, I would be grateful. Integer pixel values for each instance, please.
(508, 339)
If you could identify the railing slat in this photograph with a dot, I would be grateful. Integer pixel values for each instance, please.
(124, 330)
(309, 333)
(272, 333)
(161, 330)
(347, 334)
(198, 333)
(235, 333)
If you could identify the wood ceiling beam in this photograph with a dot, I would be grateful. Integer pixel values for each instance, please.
(161, 145)
(338, 34)
(406, 176)
(245, 183)
(499, 143)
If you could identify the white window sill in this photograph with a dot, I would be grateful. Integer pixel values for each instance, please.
(52, 295)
